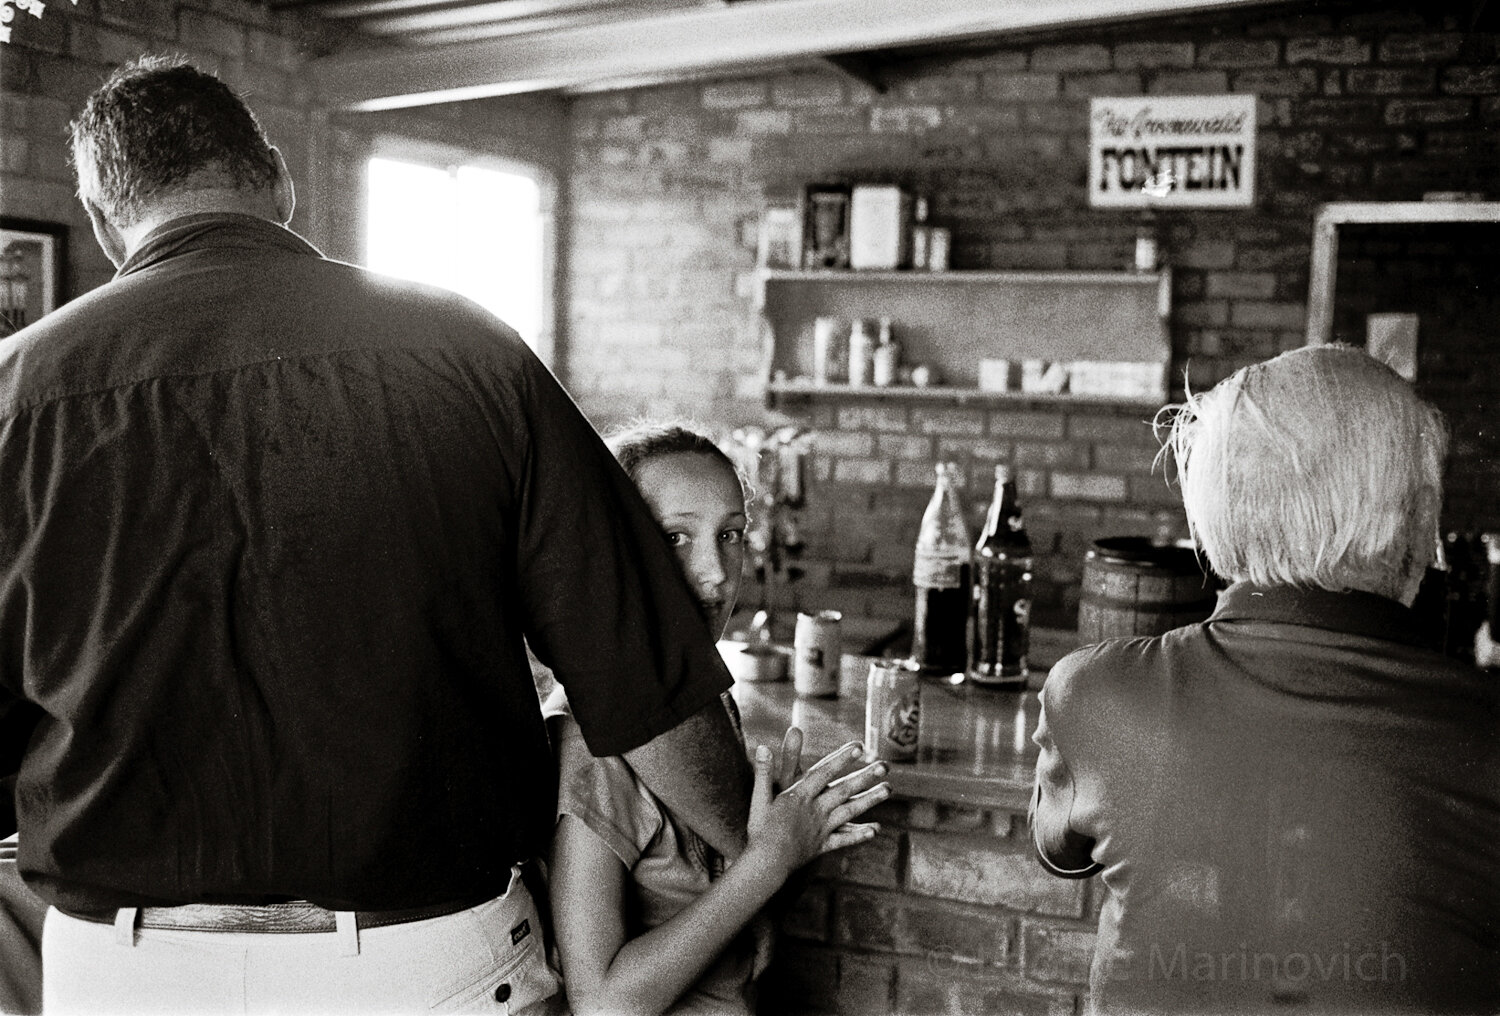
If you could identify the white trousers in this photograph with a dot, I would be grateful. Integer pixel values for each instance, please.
(489, 959)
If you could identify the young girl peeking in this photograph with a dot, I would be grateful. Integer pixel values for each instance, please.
(648, 918)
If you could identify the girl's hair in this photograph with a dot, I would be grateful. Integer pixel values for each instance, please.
(638, 442)
(1320, 467)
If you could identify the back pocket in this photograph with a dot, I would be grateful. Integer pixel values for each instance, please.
(521, 981)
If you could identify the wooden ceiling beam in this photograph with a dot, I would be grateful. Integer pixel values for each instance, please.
(705, 39)
(495, 10)
(501, 16)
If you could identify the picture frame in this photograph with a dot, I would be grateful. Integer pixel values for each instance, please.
(825, 226)
(780, 238)
(33, 257)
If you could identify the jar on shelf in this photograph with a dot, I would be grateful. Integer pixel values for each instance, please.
(887, 358)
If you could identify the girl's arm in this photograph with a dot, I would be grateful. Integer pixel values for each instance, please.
(603, 972)
(697, 769)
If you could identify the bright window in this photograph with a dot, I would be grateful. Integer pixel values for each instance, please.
(474, 230)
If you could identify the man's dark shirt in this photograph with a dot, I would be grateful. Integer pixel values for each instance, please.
(1295, 807)
(271, 531)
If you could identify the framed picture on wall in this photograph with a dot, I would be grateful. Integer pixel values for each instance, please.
(32, 256)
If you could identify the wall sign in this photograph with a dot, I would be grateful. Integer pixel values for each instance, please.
(1188, 151)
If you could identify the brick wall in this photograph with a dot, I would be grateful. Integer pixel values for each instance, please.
(53, 63)
(1082, 472)
(946, 911)
(1357, 102)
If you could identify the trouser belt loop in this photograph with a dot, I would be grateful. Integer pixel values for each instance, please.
(125, 919)
(348, 931)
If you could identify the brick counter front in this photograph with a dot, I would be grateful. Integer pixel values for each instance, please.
(947, 910)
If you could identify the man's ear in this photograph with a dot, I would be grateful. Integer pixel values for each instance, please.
(282, 189)
(110, 238)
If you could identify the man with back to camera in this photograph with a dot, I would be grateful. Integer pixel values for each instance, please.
(271, 531)
(1295, 805)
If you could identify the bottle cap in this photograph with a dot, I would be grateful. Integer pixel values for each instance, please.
(1002, 473)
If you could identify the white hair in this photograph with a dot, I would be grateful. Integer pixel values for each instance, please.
(1321, 467)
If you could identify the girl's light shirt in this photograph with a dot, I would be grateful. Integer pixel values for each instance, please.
(669, 865)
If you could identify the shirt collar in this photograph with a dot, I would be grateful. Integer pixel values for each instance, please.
(1351, 611)
(211, 229)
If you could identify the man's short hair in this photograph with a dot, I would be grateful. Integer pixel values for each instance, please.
(1310, 469)
(157, 124)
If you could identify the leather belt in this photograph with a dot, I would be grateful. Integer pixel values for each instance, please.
(296, 917)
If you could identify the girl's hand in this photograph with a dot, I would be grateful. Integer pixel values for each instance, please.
(791, 828)
(788, 769)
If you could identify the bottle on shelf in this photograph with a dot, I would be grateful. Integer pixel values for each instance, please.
(1486, 652)
(861, 353)
(921, 234)
(1463, 607)
(940, 573)
(1492, 582)
(887, 356)
(1147, 252)
(1001, 629)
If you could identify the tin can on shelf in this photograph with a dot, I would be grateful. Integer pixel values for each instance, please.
(816, 654)
(937, 249)
(893, 710)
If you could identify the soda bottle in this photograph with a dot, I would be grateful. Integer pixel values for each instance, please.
(941, 575)
(1002, 592)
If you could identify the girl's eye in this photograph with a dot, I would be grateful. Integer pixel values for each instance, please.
(676, 539)
(732, 536)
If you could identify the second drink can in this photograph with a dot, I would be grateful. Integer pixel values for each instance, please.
(893, 711)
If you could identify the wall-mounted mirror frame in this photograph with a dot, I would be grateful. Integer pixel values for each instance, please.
(1325, 249)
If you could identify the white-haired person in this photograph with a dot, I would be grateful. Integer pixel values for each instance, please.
(1294, 805)
(647, 917)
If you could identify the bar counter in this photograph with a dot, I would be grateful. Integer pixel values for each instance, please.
(946, 910)
(974, 745)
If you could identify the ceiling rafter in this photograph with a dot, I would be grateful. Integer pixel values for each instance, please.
(701, 39)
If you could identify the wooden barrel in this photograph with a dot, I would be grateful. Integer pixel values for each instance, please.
(1132, 586)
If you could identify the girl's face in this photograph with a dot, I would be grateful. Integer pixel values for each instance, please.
(698, 502)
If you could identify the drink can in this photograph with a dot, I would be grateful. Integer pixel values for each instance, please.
(816, 649)
(893, 710)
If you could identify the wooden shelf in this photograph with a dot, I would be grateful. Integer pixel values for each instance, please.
(953, 320)
(1009, 277)
(961, 396)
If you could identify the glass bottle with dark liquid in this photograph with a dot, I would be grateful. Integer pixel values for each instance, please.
(1002, 593)
(941, 575)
